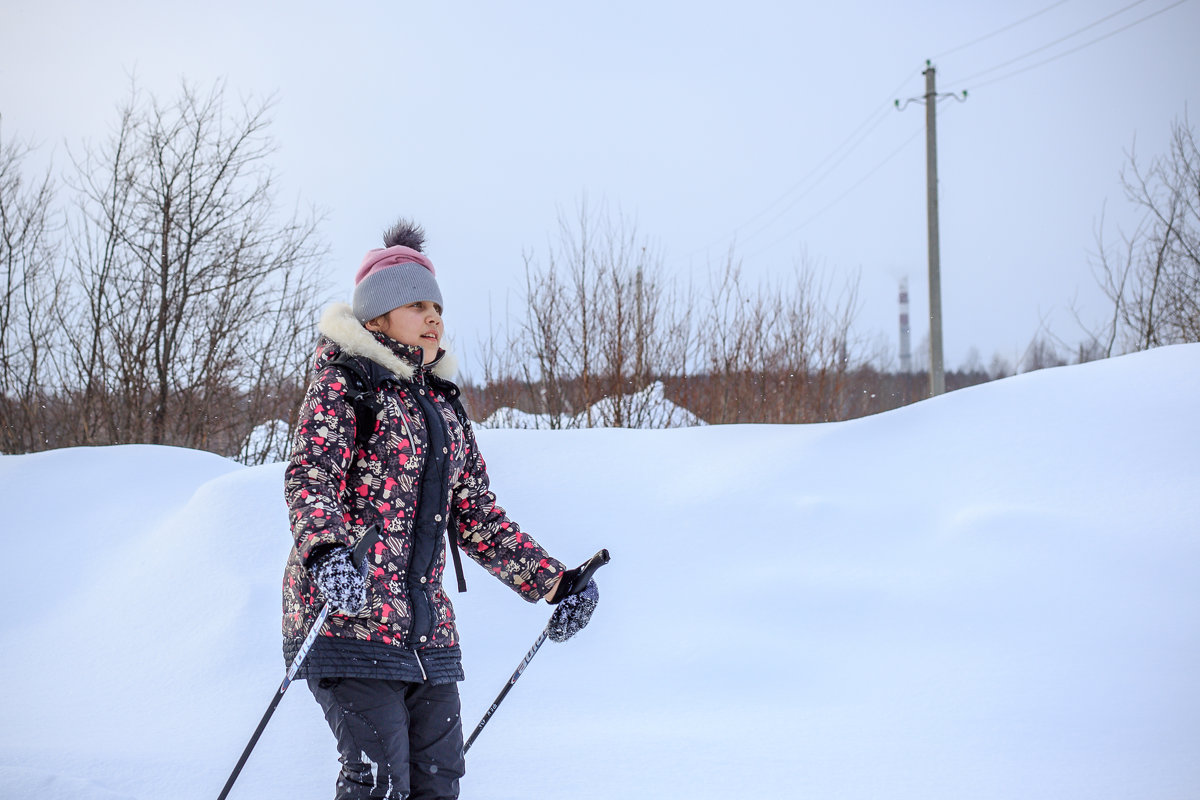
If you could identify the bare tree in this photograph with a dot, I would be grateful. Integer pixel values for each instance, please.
(778, 352)
(1153, 276)
(733, 318)
(546, 359)
(973, 362)
(601, 326)
(608, 340)
(1040, 354)
(30, 289)
(636, 321)
(999, 368)
(196, 298)
(577, 246)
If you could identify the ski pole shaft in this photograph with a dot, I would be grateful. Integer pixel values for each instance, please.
(589, 567)
(358, 556)
(504, 692)
(287, 681)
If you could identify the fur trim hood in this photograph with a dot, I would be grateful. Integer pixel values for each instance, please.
(340, 326)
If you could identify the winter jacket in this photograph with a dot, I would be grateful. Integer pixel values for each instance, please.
(417, 474)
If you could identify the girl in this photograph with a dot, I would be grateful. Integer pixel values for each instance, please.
(386, 668)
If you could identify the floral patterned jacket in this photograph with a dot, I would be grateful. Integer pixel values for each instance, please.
(416, 475)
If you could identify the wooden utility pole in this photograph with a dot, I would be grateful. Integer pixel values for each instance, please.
(937, 373)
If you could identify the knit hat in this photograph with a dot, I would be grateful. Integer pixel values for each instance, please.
(391, 277)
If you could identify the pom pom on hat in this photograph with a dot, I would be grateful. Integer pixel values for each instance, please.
(405, 234)
(395, 275)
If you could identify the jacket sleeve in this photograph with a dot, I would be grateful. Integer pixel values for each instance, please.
(493, 540)
(315, 476)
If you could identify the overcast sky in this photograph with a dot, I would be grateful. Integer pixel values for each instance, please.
(768, 126)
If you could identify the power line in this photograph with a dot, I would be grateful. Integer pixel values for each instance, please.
(850, 143)
(1080, 47)
(1059, 40)
(827, 165)
(999, 31)
(881, 117)
(835, 201)
(843, 195)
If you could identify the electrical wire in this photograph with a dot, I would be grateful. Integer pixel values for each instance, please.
(849, 144)
(870, 173)
(999, 31)
(873, 122)
(1080, 47)
(1057, 41)
(836, 157)
(883, 115)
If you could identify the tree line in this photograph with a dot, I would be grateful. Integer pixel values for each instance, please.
(160, 294)
(602, 323)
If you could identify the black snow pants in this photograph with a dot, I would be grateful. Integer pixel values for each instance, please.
(396, 739)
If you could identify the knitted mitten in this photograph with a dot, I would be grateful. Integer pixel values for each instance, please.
(343, 584)
(573, 613)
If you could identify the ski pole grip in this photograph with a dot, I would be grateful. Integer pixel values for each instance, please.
(590, 566)
(363, 548)
(574, 581)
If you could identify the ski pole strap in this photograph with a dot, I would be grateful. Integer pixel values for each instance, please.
(363, 548)
(465, 420)
(458, 570)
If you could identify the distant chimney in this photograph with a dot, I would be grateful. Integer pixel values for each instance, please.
(905, 330)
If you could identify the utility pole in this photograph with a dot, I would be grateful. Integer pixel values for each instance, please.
(937, 373)
(937, 370)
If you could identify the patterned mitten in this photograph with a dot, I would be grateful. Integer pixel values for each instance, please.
(573, 613)
(343, 584)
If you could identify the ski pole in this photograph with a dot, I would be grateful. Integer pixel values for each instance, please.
(360, 553)
(590, 566)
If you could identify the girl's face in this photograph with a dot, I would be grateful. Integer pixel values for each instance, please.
(418, 324)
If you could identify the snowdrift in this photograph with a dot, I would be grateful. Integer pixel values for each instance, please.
(992, 594)
(648, 408)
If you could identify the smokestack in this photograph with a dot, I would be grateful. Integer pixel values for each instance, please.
(905, 330)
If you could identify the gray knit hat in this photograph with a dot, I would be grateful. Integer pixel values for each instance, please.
(391, 277)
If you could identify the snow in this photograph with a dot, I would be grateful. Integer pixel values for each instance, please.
(648, 408)
(991, 594)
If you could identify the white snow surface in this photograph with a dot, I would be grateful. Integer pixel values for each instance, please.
(648, 408)
(991, 594)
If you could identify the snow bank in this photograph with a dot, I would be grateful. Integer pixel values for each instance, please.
(643, 410)
(992, 594)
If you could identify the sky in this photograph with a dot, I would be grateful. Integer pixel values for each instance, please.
(767, 130)
(899, 617)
